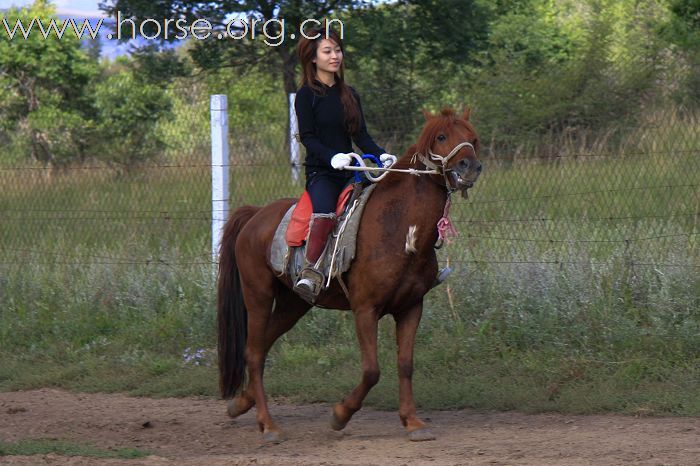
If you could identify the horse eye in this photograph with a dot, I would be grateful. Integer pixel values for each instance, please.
(441, 138)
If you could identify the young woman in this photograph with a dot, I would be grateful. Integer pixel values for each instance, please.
(330, 119)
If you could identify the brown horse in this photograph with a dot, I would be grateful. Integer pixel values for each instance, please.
(394, 267)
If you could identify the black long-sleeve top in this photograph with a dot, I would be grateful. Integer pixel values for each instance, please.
(322, 129)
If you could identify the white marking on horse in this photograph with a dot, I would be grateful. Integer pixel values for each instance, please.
(411, 239)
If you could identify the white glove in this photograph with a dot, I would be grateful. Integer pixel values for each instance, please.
(384, 158)
(341, 160)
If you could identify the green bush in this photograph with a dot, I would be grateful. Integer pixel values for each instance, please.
(128, 113)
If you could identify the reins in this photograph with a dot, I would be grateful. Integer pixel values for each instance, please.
(387, 169)
(432, 168)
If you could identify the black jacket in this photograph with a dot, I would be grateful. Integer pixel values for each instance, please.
(322, 129)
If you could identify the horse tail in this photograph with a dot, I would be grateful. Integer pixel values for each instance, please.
(232, 315)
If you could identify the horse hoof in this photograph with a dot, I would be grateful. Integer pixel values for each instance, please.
(421, 435)
(234, 408)
(273, 436)
(336, 423)
(231, 409)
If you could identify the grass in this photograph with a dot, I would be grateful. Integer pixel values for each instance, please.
(576, 285)
(622, 346)
(31, 447)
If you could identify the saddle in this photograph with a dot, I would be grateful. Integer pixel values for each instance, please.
(287, 251)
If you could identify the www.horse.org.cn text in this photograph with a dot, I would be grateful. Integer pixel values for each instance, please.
(272, 32)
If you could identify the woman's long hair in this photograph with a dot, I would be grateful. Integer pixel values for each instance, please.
(306, 51)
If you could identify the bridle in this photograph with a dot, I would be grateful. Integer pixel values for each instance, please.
(443, 159)
(431, 167)
(444, 225)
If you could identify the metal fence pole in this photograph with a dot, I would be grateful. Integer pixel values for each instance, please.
(219, 171)
(294, 150)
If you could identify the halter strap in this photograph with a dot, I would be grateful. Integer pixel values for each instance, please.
(446, 158)
(443, 159)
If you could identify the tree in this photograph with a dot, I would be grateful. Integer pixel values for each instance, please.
(688, 12)
(555, 65)
(684, 31)
(129, 108)
(43, 83)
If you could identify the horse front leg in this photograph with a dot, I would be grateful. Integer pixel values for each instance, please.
(366, 329)
(406, 329)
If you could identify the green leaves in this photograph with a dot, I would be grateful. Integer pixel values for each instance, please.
(58, 106)
(558, 65)
(44, 82)
(128, 112)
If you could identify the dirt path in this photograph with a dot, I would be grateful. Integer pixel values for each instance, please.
(197, 431)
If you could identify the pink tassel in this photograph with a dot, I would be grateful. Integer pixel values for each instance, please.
(445, 227)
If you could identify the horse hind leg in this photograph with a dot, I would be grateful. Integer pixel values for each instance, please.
(289, 308)
(366, 329)
(264, 327)
(258, 294)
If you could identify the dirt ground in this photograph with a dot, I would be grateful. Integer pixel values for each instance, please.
(198, 432)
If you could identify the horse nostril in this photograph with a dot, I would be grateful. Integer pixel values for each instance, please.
(478, 167)
(464, 163)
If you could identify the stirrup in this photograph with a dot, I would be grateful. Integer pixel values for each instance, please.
(309, 285)
(442, 276)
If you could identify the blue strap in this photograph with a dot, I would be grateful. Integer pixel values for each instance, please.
(359, 175)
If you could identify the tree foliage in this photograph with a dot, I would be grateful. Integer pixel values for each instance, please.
(128, 112)
(44, 89)
(406, 52)
(553, 65)
(527, 67)
(59, 105)
(683, 30)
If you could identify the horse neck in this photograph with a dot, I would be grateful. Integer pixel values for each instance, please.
(421, 197)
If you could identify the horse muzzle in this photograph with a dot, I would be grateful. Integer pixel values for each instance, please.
(464, 175)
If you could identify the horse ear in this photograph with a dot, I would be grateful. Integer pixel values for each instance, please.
(467, 113)
(426, 114)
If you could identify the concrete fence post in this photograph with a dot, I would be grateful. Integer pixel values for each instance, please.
(219, 172)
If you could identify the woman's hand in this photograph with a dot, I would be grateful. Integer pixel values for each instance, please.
(341, 160)
(387, 160)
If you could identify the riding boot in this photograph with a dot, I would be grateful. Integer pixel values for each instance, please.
(311, 278)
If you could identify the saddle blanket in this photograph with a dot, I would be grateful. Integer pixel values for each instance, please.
(340, 249)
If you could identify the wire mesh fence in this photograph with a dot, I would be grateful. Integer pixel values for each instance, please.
(624, 196)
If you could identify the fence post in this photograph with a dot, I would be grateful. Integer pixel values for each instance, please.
(219, 171)
(294, 151)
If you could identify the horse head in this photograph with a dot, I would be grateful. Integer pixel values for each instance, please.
(449, 144)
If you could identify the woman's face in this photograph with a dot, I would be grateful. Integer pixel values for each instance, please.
(328, 56)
